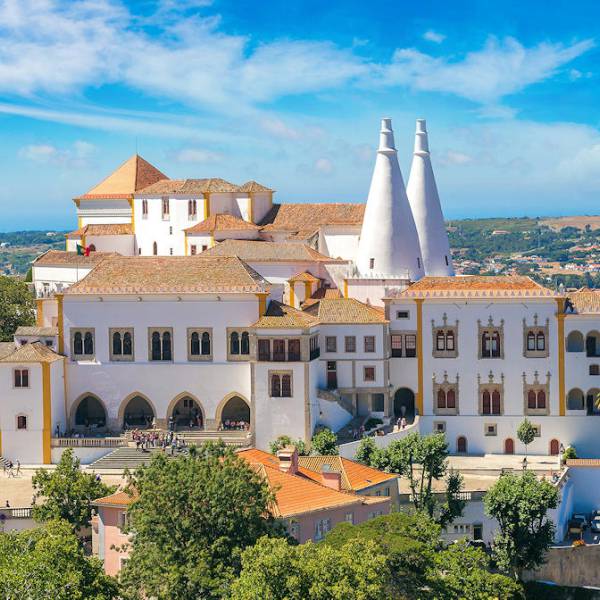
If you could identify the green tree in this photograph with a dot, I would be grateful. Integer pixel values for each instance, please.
(191, 519)
(526, 433)
(17, 307)
(276, 570)
(325, 442)
(67, 492)
(48, 562)
(285, 440)
(423, 460)
(367, 451)
(520, 504)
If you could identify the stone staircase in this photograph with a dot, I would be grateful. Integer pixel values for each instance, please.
(344, 435)
(333, 395)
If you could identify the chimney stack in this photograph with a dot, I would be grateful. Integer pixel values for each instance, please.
(330, 478)
(288, 460)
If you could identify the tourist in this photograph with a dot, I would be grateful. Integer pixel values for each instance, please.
(403, 423)
(18, 467)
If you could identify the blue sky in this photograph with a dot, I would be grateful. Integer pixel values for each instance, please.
(290, 93)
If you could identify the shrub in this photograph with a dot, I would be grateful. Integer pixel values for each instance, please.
(325, 442)
(285, 440)
(569, 453)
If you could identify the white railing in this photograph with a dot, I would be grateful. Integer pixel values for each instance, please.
(107, 442)
(15, 513)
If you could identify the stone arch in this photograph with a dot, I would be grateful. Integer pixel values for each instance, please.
(575, 399)
(575, 342)
(133, 421)
(404, 404)
(222, 413)
(186, 411)
(509, 446)
(88, 407)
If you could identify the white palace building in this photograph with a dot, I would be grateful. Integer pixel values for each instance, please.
(202, 302)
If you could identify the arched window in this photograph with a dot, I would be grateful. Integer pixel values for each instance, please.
(234, 343)
(441, 398)
(88, 343)
(117, 344)
(205, 341)
(486, 403)
(575, 399)
(540, 342)
(245, 345)
(275, 386)
(451, 399)
(166, 346)
(286, 386)
(531, 399)
(195, 344)
(440, 340)
(541, 399)
(156, 353)
(531, 341)
(127, 344)
(155, 248)
(461, 444)
(575, 342)
(495, 402)
(450, 341)
(496, 344)
(78, 343)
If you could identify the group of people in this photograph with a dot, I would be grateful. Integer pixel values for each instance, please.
(11, 469)
(231, 424)
(144, 440)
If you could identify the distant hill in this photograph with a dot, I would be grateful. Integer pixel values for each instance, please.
(19, 248)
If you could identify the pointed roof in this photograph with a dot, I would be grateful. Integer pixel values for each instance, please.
(426, 208)
(133, 175)
(221, 222)
(190, 186)
(101, 229)
(344, 311)
(31, 353)
(253, 186)
(304, 276)
(389, 245)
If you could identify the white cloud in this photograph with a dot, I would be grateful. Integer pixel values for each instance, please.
(47, 154)
(197, 155)
(455, 158)
(575, 74)
(324, 166)
(434, 36)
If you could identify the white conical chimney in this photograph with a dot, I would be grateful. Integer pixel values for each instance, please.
(389, 245)
(427, 211)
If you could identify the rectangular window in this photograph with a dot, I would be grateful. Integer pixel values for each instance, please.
(594, 369)
(350, 343)
(396, 346)
(349, 518)
(369, 343)
(279, 350)
(21, 422)
(315, 351)
(160, 344)
(331, 343)
(264, 349)
(121, 344)
(402, 314)
(321, 528)
(171, 251)
(83, 344)
(293, 350)
(199, 342)
(371, 263)
(369, 374)
(193, 250)
(21, 378)
(204, 247)
(410, 345)
(165, 209)
(144, 209)
(286, 385)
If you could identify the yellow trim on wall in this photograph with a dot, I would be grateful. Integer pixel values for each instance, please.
(262, 303)
(419, 302)
(307, 290)
(212, 243)
(132, 206)
(345, 288)
(39, 316)
(60, 324)
(47, 414)
(206, 205)
(64, 362)
(251, 207)
(560, 316)
(79, 222)
(292, 294)
(185, 243)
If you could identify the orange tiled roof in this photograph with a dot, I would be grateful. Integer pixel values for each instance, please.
(170, 275)
(480, 286)
(133, 175)
(41, 331)
(120, 498)
(31, 353)
(6, 348)
(102, 229)
(190, 186)
(282, 316)
(221, 222)
(62, 258)
(300, 217)
(254, 186)
(305, 276)
(319, 294)
(344, 310)
(355, 476)
(260, 251)
(586, 301)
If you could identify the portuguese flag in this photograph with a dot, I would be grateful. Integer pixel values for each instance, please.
(81, 251)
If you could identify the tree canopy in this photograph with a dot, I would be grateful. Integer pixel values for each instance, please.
(285, 440)
(191, 519)
(325, 442)
(526, 433)
(520, 504)
(17, 307)
(67, 492)
(48, 562)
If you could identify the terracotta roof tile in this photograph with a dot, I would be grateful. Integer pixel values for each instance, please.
(259, 251)
(102, 229)
(41, 331)
(6, 348)
(355, 476)
(31, 353)
(319, 294)
(254, 186)
(344, 310)
(282, 316)
(189, 187)
(305, 276)
(586, 301)
(119, 498)
(219, 222)
(299, 217)
(482, 286)
(303, 234)
(133, 175)
(62, 258)
(170, 275)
